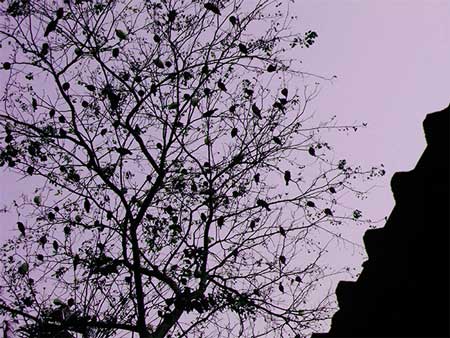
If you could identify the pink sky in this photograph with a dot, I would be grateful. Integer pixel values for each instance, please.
(392, 62)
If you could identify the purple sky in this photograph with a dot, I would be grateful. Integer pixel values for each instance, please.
(391, 59)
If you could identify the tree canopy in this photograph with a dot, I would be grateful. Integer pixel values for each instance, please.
(181, 177)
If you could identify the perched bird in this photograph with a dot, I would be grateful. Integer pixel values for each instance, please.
(115, 52)
(281, 287)
(284, 91)
(55, 245)
(282, 259)
(256, 111)
(234, 132)
(212, 7)
(233, 20)
(287, 176)
(311, 151)
(282, 231)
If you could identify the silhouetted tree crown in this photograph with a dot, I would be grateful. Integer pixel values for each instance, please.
(180, 176)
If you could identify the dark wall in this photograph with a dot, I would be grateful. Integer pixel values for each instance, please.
(403, 290)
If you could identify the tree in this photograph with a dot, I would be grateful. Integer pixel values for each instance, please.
(181, 179)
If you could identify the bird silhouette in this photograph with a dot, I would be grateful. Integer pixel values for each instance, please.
(311, 151)
(51, 27)
(221, 86)
(21, 227)
(233, 20)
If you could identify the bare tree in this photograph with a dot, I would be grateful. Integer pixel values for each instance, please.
(181, 177)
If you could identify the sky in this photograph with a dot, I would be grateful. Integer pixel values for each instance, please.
(391, 59)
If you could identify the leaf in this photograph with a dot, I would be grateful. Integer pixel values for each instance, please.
(23, 268)
(256, 111)
(21, 228)
(158, 63)
(243, 48)
(221, 86)
(277, 140)
(210, 112)
(51, 27)
(271, 68)
(87, 205)
(37, 200)
(310, 204)
(60, 13)
(121, 34)
(328, 212)
(172, 106)
(212, 7)
(287, 176)
(263, 204)
(171, 15)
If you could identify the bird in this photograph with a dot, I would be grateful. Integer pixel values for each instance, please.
(311, 151)
(212, 7)
(287, 176)
(115, 52)
(284, 92)
(233, 20)
(282, 231)
(281, 287)
(282, 259)
(256, 111)
(55, 245)
(234, 132)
